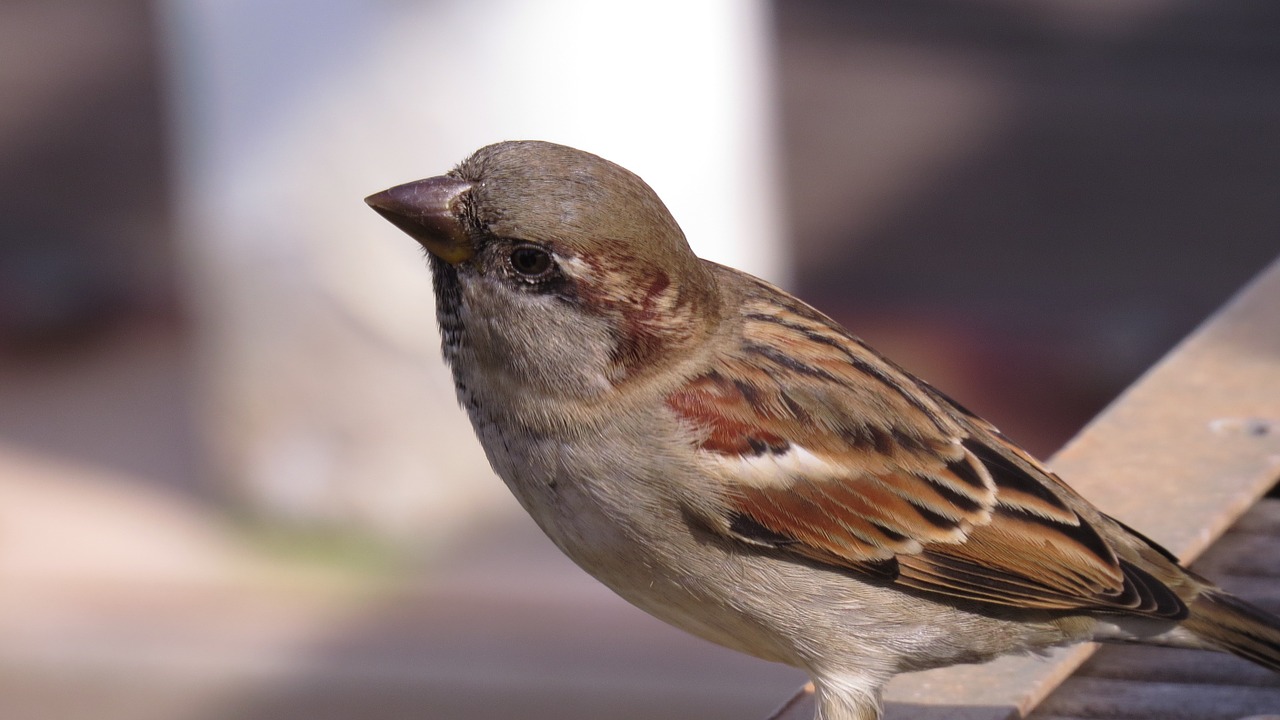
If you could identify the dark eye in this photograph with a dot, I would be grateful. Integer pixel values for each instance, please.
(530, 261)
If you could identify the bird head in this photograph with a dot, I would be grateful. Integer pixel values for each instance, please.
(541, 250)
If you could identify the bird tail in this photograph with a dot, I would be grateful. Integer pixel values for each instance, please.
(1231, 624)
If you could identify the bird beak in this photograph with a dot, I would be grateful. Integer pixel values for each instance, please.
(427, 210)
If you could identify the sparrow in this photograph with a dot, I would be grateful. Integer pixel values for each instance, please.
(737, 464)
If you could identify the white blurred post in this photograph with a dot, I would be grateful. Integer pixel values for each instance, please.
(324, 396)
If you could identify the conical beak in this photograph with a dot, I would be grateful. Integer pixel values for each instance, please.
(428, 211)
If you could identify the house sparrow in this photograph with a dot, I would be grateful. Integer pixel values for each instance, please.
(735, 463)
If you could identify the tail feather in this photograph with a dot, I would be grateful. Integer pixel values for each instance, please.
(1231, 624)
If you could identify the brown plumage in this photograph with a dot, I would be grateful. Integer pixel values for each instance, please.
(734, 462)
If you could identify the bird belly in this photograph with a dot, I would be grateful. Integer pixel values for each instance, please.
(642, 546)
(604, 525)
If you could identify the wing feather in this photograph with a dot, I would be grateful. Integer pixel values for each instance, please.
(828, 452)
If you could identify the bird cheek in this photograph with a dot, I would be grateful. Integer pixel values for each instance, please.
(635, 346)
(541, 345)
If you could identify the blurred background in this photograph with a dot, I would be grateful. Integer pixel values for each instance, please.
(233, 482)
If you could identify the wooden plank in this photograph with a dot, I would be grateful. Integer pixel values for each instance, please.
(1261, 519)
(1172, 665)
(1179, 455)
(1065, 718)
(1250, 547)
(1261, 591)
(1095, 697)
(1246, 554)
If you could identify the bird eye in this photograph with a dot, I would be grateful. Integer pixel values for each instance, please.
(530, 261)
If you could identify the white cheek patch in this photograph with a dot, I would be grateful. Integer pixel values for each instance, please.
(776, 470)
(574, 267)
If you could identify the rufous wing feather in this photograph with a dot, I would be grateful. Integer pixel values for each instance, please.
(829, 453)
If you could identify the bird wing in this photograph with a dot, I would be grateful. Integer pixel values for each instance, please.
(824, 450)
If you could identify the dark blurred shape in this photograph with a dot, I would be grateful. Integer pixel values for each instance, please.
(1057, 192)
(84, 232)
(92, 356)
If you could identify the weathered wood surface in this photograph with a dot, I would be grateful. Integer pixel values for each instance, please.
(1180, 455)
(1144, 683)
